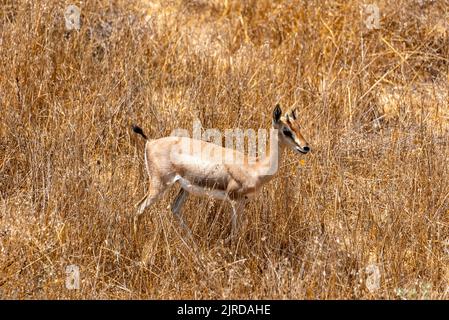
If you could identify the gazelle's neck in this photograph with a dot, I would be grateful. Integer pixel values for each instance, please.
(270, 163)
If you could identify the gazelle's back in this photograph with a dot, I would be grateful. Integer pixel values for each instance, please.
(200, 162)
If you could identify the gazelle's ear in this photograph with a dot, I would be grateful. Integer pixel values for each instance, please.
(277, 112)
(294, 114)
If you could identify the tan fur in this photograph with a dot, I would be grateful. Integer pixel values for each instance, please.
(168, 161)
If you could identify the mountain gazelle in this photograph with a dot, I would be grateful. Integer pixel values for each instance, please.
(175, 159)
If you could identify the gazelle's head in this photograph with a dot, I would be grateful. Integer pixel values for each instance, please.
(289, 131)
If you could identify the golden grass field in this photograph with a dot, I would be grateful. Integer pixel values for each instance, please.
(365, 215)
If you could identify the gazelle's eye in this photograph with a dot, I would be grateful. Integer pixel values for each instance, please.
(287, 133)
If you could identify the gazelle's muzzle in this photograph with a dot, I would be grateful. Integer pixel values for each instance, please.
(303, 150)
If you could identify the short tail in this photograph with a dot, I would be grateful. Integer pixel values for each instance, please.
(139, 130)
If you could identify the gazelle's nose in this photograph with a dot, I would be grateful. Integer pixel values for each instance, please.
(306, 149)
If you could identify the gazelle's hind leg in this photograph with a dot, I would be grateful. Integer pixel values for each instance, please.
(156, 189)
(177, 204)
(176, 209)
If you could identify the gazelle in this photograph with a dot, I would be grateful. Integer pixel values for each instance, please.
(168, 161)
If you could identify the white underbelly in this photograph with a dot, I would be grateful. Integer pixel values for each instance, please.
(201, 191)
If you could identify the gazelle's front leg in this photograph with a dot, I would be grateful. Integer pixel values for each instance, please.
(237, 210)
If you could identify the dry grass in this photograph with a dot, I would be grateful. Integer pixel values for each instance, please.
(374, 193)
